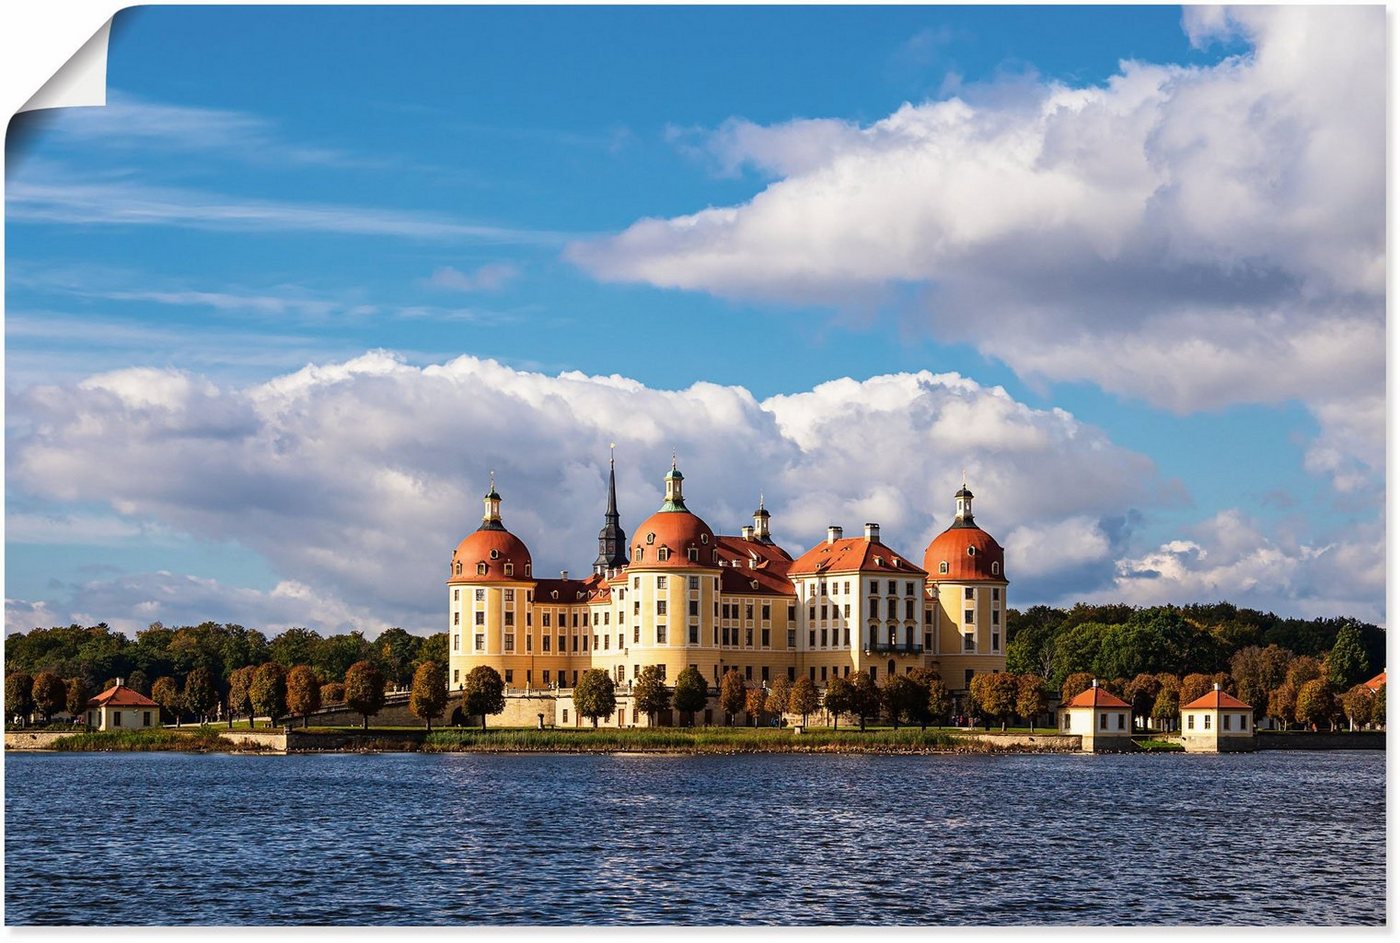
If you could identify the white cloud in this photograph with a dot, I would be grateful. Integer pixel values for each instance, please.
(490, 277)
(356, 479)
(1195, 236)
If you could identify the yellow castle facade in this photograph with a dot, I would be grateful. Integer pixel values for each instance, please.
(676, 595)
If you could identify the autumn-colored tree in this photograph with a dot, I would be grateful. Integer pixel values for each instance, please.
(427, 697)
(1194, 686)
(1378, 708)
(731, 695)
(1076, 683)
(1315, 703)
(1257, 673)
(924, 678)
(304, 692)
(138, 682)
(364, 690)
(865, 697)
(239, 682)
(1282, 701)
(995, 694)
(804, 698)
(200, 695)
(50, 693)
(268, 691)
(902, 698)
(76, 697)
(691, 694)
(779, 693)
(939, 701)
(332, 693)
(1357, 703)
(1301, 670)
(1141, 693)
(483, 693)
(1166, 709)
(754, 699)
(166, 692)
(19, 694)
(650, 694)
(595, 695)
(1030, 697)
(840, 696)
(1346, 663)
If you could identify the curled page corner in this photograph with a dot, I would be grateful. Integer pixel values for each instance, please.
(81, 81)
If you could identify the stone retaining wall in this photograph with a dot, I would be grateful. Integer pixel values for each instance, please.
(1341, 740)
(34, 740)
(1065, 743)
(267, 741)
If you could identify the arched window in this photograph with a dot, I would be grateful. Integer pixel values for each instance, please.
(971, 551)
(651, 539)
(996, 568)
(693, 554)
(510, 569)
(459, 568)
(663, 554)
(943, 567)
(527, 569)
(641, 553)
(481, 569)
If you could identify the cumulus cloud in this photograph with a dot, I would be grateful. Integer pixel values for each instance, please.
(355, 480)
(1194, 236)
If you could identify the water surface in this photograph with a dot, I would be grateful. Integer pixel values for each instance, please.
(1269, 838)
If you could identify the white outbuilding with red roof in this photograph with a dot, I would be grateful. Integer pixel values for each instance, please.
(1102, 720)
(122, 708)
(1217, 722)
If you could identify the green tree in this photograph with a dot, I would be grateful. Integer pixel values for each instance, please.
(754, 699)
(1166, 709)
(77, 696)
(1075, 684)
(50, 693)
(396, 651)
(268, 691)
(19, 694)
(303, 692)
(1030, 697)
(1257, 672)
(902, 698)
(779, 693)
(1357, 704)
(295, 646)
(240, 681)
(483, 693)
(336, 653)
(803, 699)
(137, 681)
(200, 694)
(428, 697)
(432, 648)
(1141, 693)
(166, 692)
(1195, 685)
(364, 690)
(595, 695)
(1346, 663)
(731, 695)
(1315, 703)
(865, 699)
(940, 703)
(692, 693)
(649, 693)
(840, 696)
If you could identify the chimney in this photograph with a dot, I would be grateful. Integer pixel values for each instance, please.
(833, 534)
(120, 681)
(1216, 686)
(746, 532)
(563, 574)
(1096, 682)
(872, 532)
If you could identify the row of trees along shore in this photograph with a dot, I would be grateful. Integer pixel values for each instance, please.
(1155, 658)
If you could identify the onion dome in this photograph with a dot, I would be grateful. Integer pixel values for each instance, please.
(673, 537)
(964, 551)
(490, 553)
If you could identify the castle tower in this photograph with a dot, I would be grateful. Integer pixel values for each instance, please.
(612, 539)
(760, 523)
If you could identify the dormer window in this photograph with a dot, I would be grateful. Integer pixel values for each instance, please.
(704, 538)
(481, 569)
(971, 551)
(459, 568)
(996, 568)
(641, 553)
(510, 569)
(527, 569)
(663, 555)
(943, 567)
(693, 554)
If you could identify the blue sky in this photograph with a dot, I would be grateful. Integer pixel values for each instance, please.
(276, 187)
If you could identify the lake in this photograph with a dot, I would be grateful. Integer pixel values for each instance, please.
(129, 838)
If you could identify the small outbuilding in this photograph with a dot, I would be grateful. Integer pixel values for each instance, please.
(1217, 723)
(1102, 720)
(122, 708)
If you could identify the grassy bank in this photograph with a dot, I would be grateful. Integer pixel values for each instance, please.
(701, 740)
(143, 741)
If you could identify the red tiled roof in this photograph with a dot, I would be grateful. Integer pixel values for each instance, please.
(952, 547)
(121, 696)
(1375, 683)
(1096, 697)
(751, 568)
(677, 531)
(571, 592)
(1217, 700)
(852, 553)
(477, 548)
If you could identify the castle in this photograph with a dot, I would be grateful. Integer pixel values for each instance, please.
(679, 595)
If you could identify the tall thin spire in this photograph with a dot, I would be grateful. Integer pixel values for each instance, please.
(612, 539)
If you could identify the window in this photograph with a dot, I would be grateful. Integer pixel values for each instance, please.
(767, 636)
(479, 595)
(890, 587)
(928, 641)
(544, 641)
(694, 634)
(693, 583)
(692, 553)
(510, 569)
(967, 616)
(116, 718)
(640, 554)
(619, 640)
(847, 635)
(812, 638)
(456, 618)
(812, 672)
(847, 612)
(1190, 721)
(889, 608)
(607, 639)
(510, 616)
(812, 612)
(996, 641)
(996, 590)
(456, 675)
(968, 642)
(1205, 721)
(510, 641)
(967, 592)
(566, 715)
(661, 635)
(823, 638)
(1121, 719)
(563, 643)
(636, 582)
(663, 554)
(823, 673)
(1103, 721)
(456, 642)
(456, 595)
(695, 607)
(480, 642)
(575, 643)
(748, 672)
(545, 617)
(748, 637)
(480, 569)
(792, 673)
(1066, 712)
(508, 595)
(145, 718)
(748, 611)
(637, 634)
(996, 617)
(529, 677)
(874, 586)
(510, 676)
(792, 638)
(767, 612)
(846, 587)
(824, 616)
(1224, 721)
(661, 607)
(546, 677)
(661, 582)
(621, 673)
(908, 608)
(996, 568)
(943, 570)
(792, 613)
(908, 589)
(479, 618)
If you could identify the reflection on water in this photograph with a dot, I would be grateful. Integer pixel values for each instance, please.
(407, 839)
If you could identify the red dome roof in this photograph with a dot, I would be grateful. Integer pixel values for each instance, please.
(971, 554)
(677, 531)
(495, 549)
